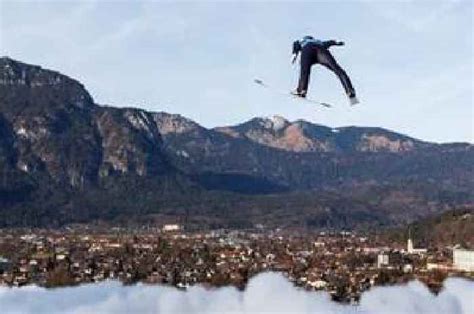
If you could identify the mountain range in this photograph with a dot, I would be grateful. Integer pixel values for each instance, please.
(65, 159)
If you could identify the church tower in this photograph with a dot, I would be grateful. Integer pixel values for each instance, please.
(409, 242)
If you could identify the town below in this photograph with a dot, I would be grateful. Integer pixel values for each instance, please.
(345, 264)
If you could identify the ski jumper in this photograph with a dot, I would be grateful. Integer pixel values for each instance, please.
(317, 52)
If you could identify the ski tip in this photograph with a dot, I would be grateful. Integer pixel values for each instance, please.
(258, 81)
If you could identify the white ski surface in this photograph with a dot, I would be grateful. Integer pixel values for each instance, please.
(261, 83)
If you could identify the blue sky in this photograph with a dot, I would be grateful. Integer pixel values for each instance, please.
(410, 61)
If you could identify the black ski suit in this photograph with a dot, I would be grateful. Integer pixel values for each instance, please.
(317, 52)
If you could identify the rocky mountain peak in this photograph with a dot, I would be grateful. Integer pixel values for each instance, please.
(57, 145)
(174, 123)
(275, 123)
(32, 81)
(304, 136)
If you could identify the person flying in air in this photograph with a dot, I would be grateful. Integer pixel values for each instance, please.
(315, 51)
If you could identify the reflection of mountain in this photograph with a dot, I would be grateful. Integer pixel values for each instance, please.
(64, 158)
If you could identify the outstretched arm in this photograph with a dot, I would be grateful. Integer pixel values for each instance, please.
(296, 50)
(329, 43)
(293, 58)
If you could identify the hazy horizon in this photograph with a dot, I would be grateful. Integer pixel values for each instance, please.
(411, 62)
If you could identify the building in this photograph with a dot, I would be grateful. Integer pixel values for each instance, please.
(407, 268)
(439, 266)
(171, 227)
(463, 259)
(5, 265)
(382, 260)
(411, 249)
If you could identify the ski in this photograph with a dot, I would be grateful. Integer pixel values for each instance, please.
(261, 83)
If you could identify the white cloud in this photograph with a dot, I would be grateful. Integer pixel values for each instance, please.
(266, 293)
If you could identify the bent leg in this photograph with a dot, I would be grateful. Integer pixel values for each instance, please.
(326, 59)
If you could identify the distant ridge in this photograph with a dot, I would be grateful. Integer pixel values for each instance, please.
(64, 158)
